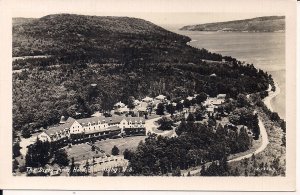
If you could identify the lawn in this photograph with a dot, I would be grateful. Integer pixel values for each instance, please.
(84, 151)
(122, 143)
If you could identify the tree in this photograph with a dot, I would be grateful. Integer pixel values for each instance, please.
(105, 173)
(242, 100)
(127, 154)
(274, 116)
(165, 123)
(190, 118)
(243, 140)
(130, 104)
(176, 172)
(181, 128)
(61, 158)
(236, 172)
(189, 174)
(211, 122)
(170, 109)
(201, 98)
(38, 154)
(179, 106)
(160, 109)
(72, 167)
(199, 114)
(26, 133)
(87, 167)
(283, 140)
(16, 150)
(186, 103)
(15, 164)
(115, 150)
(203, 170)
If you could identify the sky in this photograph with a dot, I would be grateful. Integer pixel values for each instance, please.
(160, 12)
(164, 19)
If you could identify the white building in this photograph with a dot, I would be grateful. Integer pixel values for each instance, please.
(94, 125)
(160, 97)
(147, 99)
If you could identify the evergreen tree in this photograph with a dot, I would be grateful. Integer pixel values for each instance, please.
(243, 140)
(61, 158)
(160, 109)
(16, 150)
(130, 104)
(127, 154)
(170, 109)
(115, 150)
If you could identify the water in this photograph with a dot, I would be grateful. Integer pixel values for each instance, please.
(265, 51)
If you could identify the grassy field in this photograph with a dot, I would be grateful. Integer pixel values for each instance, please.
(84, 151)
(129, 142)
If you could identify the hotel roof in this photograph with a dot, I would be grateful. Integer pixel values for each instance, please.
(55, 129)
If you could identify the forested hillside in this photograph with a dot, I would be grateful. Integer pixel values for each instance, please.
(122, 56)
(90, 39)
(260, 24)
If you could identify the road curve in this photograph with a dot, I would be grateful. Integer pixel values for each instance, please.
(265, 142)
(263, 131)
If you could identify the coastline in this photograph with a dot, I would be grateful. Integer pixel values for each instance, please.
(268, 99)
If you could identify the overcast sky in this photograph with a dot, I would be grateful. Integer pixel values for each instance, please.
(161, 12)
(174, 19)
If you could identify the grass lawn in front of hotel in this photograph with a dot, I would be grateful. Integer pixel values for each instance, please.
(84, 151)
(129, 143)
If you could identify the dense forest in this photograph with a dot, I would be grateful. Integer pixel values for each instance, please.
(101, 60)
(90, 39)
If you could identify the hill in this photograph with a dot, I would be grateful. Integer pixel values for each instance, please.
(71, 38)
(259, 24)
(93, 62)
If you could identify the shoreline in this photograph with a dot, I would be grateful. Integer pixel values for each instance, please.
(267, 100)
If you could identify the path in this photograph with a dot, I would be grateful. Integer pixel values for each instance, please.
(150, 126)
